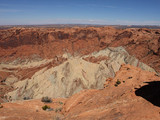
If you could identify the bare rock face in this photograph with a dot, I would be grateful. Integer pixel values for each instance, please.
(132, 99)
(74, 75)
(4, 88)
(39, 62)
(135, 98)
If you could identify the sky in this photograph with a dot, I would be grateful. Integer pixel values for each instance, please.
(105, 12)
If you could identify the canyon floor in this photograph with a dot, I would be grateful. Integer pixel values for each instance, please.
(92, 73)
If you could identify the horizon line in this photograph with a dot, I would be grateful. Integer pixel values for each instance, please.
(77, 24)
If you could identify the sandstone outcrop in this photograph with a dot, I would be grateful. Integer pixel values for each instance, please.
(39, 43)
(74, 75)
(117, 102)
(125, 101)
(120, 67)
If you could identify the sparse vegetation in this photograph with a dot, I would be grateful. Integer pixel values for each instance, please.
(128, 68)
(117, 83)
(46, 99)
(58, 110)
(129, 77)
(26, 98)
(60, 102)
(46, 107)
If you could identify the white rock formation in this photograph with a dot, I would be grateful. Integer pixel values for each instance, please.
(74, 75)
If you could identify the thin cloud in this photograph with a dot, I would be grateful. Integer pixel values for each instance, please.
(9, 10)
(100, 21)
(104, 6)
(95, 5)
(127, 22)
(109, 6)
(69, 21)
(5, 5)
(78, 21)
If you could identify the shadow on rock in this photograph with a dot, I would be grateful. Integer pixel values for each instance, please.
(150, 92)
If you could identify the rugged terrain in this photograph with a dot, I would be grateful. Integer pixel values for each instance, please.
(66, 62)
(136, 97)
(18, 44)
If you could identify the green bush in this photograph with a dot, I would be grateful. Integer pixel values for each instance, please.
(46, 99)
(60, 102)
(117, 83)
(46, 107)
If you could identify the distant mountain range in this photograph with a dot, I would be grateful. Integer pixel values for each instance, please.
(79, 25)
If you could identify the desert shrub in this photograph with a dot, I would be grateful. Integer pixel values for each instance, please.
(117, 83)
(60, 102)
(26, 98)
(46, 107)
(46, 99)
(129, 77)
(58, 110)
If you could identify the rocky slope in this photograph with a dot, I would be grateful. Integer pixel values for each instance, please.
(25, 44)
(127, 101)
(132, 99)
(74, 75)
(61, 63)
